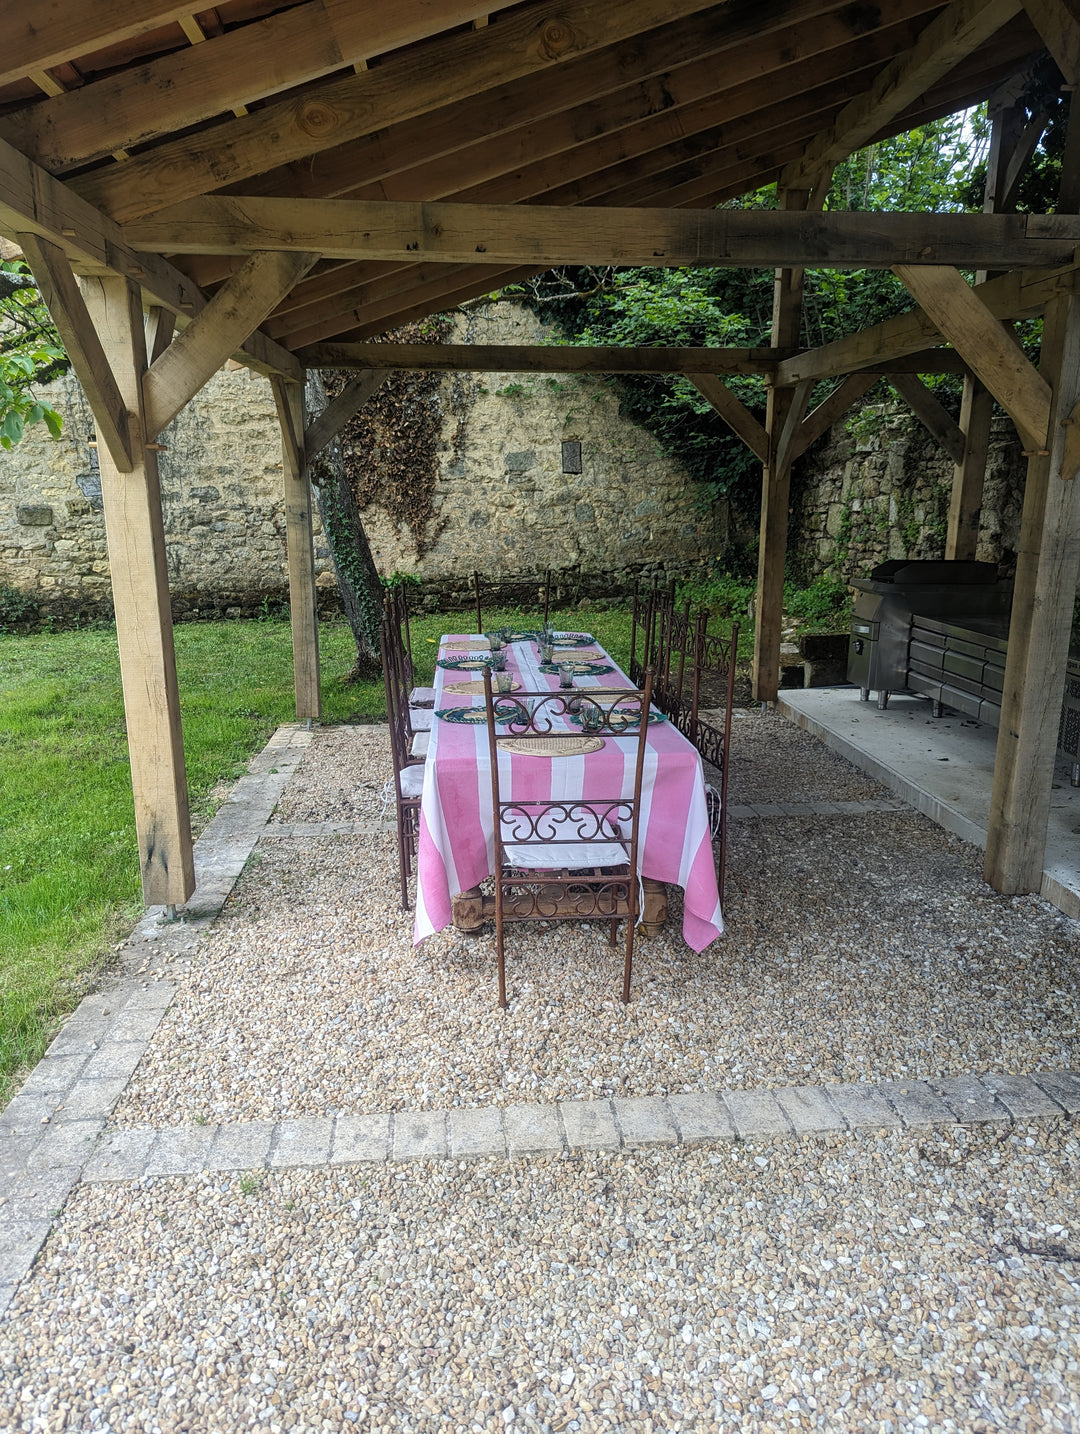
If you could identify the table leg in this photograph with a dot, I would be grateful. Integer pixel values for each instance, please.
(654, 906)
(470, 909)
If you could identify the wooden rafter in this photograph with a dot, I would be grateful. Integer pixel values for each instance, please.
(336, 415)
(1058, 22)
(244, 64)
(38, 37)
(528, 39)
(544, 358)
(956, 32)
(931, 413)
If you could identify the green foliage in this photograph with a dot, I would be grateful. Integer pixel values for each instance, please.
(823, 604)
(30, 354)
(16, 606)
(928, 168)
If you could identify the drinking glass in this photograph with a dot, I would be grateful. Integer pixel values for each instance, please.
(566, 674)
(504, 680)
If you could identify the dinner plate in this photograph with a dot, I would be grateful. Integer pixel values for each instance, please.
(580, 669)
(465, 664)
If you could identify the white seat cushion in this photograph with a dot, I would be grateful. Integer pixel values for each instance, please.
(422, 697)
(420, 744)
(553, 855)
(420, 720)
(412, 781)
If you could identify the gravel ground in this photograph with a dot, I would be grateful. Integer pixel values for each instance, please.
(772, 760)
(886, 1284)
(858, 948)
(340, 778)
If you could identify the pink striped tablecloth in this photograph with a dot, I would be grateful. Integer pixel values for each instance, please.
(456, 848)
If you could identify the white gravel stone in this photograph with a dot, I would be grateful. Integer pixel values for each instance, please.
(906, 1281)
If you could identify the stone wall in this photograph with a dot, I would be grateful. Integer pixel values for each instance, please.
(883, 490)
(505, 502)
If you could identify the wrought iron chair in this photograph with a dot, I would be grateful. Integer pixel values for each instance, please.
(715, 656)
(397, 663)
(397, 602)
(565, 859)
(408, 769)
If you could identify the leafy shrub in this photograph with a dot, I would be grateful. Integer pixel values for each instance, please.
(16, 606)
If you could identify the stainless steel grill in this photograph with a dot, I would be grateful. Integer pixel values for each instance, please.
(894, 593)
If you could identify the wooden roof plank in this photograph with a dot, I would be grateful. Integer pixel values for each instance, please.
(38, 36)
(528, 39)
(248, 63)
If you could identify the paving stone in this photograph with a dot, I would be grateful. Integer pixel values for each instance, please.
(20, 1240)
(28, 1114)
(768, 809)
(304, 1141)
(54, 1074)
(115, 1059)
(154, 996)
(916, 1103)
(67, 1143)
(120, 1155)
(361, 1137)
(81, 1036)
(37, 1194)
(7, 1294)
(809, 1109)
(757, 1114)
(419, 1135)
(181, 1150)
(645, 1121)
(863, 1106)
(1021, 1096)
(532, 1130)
(474, 1133)
(244, 1146)
(970, 1101)
(15, 1151)
(135, 1024)
(1062, 1086)
(701, 1115)
(589, 1125)
(88, 1099)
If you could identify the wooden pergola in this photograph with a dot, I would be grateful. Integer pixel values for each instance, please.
(281, 182)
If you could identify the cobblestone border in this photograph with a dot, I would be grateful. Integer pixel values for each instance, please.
(48, 1131)
(516, 1131)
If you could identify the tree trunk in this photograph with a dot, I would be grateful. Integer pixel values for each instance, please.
(361, 587)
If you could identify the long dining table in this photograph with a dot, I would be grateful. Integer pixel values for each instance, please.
(456, 841)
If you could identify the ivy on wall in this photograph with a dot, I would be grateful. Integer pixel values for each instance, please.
(391, 448)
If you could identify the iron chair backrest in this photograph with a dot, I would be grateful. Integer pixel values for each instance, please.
(578, 893)
(713, 655)
(476, 594)
(397, 696)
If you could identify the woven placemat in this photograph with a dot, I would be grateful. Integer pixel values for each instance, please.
(552, 746)
(575, 654)
(474, 689)
(469, 644)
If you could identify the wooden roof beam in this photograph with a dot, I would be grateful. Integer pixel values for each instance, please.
(544, 358)
(958, 31)
(1058, 22)
(220, 74)
(32, 201)
(528, 39)
(543, 236)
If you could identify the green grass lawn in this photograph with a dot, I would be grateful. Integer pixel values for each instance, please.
(69, 871)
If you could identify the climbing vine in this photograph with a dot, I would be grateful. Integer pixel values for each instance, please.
(391, 448)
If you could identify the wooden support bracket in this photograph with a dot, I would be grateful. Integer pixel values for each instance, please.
(334, 417)
(234, 312)
(990, 351)
(734, 413)
(60, 290)
(937, 421)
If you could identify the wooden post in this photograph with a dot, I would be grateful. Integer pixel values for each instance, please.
(303, 605)
(776, 482)
(1048, 565)
(969, 474)
(977, 404)
(140, 585)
